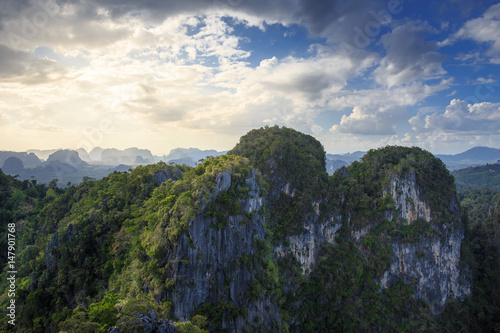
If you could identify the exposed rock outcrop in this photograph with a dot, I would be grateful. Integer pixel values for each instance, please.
(433, 260)
(430, 261)
(434, 263)
(149, 323)
(408, 198)
(304, 247)
(162, 176)
(211, 264)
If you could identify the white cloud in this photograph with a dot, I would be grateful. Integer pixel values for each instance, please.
(471, 58)
(459, 116)
(484, 29)
(310, 78)
(380, 111)
(189, 72)
(406, 95)
(291, 91)
(371, 121)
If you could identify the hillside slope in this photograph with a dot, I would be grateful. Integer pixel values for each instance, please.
(478, 177)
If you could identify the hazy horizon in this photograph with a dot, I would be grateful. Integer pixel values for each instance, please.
(170, 151)
(160, 75)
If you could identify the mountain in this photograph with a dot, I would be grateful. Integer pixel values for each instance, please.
(133, 156)
(189, 156)
(332, 165)
(472, 157)
(13, 165)
(65, 166)
(29, 160)
(95, 153)
(259, 240)
(68, 157)
(42, 154)
(82, 153)
(348, 157)
(113, 156)
(476, 153)
(336, 161)
(70, 166)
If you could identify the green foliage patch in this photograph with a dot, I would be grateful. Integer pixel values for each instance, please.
(484, 176)
(286, 158)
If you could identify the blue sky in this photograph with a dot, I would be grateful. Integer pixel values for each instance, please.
(164, 74)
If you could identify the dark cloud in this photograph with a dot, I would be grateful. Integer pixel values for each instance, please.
(318, 14)
(12, 9)
(335, 20)
(310, 84)
(13, 62)
(409, 55)
(27, 69)
(157, 10)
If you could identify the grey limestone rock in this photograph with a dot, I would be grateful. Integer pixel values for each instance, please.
(432, 261)
(207, 263)
(150, 324)
(162, 176)
(222, 182)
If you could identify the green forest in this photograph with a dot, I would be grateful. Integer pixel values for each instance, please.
(98, 255)
(485, 176)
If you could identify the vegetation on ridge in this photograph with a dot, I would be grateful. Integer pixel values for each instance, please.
(293, 164)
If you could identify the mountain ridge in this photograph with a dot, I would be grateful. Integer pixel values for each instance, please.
(260, 239)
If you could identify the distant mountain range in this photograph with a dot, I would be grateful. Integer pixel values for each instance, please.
(473, 157)
(72, 166)
(335, 161)
(189, 156)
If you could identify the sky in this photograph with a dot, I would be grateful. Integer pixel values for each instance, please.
(162, 74)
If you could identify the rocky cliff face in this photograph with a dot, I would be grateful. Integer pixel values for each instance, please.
(216, 264)
(408, 198)
(432, 259)
(434, 264)
(304, 247)
(213, 264)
